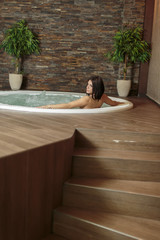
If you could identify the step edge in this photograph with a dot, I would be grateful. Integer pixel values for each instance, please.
(115, 158)
(79, 129)
(67, 183)
(101, 226)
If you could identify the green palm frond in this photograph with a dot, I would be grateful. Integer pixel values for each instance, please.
(19, 41)
(128, 42)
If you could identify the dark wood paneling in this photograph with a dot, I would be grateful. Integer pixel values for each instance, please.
(148, 22)
(31, 187)
(48, 168)
(13, 195)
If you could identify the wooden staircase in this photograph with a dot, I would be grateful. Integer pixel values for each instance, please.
(114, 192)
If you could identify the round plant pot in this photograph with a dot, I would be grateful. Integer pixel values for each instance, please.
(15, 81)
(123, 87)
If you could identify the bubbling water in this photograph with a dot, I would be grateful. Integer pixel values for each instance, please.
(36, 99)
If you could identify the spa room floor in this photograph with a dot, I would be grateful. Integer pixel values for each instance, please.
(20, 131)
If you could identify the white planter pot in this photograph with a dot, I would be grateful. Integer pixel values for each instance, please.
(15, 81)
(123, 87)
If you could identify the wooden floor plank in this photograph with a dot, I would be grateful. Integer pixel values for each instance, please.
(28, 130)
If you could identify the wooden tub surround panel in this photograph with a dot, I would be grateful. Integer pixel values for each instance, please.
(93, 176)
(31, 184)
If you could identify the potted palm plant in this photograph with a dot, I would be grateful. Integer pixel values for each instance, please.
(18, 42)
(128, 48)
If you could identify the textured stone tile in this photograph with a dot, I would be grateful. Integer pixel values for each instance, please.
(74, 35)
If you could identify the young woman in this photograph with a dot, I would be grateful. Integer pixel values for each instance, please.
(94, 99)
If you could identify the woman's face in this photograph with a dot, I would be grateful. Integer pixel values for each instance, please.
(89, 88)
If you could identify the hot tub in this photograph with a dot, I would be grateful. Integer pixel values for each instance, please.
(27, 101)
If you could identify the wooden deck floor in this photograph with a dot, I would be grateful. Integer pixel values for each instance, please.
(20, 131)
(32, 176)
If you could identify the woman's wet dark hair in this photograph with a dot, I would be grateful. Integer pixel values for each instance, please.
(98, 87)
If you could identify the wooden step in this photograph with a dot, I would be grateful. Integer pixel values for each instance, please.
(80, 224)
(124, 154)
(109, 139)
(134, 198)
(54, 237)
(117, 164)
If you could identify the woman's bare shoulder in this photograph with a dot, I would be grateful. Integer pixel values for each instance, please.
(86, 97)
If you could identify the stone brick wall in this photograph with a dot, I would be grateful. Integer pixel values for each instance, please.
(74, 35)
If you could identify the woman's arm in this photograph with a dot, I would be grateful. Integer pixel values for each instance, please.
(110, 102)
(82, 102)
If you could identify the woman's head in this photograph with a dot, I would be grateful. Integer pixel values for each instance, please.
(95, 87)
